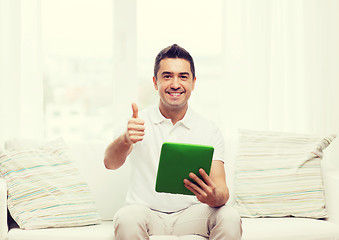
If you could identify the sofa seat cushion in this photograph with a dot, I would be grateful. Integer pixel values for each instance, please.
(288, 228)
(103, 231)
(253, 229)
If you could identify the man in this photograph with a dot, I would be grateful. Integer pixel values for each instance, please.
(151, 213)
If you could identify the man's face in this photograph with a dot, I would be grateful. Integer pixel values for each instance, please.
(174, 83)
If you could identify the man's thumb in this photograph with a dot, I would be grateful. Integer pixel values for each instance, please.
(135, 110)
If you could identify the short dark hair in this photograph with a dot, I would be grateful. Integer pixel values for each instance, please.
(173, 51)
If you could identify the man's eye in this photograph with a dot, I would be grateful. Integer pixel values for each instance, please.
(184, 77)
(167, 76)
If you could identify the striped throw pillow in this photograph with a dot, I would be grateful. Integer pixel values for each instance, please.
(279, 174)
(45, 189)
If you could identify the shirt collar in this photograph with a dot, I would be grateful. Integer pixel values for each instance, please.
(187, 121)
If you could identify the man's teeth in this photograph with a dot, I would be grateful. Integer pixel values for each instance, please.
(175, 94)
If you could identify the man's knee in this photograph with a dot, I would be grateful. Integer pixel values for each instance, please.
(131, 222)
(227, 222)
(228, 214)
(131, 214)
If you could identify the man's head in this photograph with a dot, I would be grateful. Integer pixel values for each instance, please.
(173, 51)
(174, 79)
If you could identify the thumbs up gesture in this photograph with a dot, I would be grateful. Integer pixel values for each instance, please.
(135, 110)
(135, 127)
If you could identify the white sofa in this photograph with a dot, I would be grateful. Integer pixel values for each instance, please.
(109, 189)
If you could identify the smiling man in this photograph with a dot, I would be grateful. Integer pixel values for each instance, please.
(172, 120)
(174, 83)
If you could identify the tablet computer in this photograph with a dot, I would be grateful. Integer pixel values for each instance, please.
(177, 160)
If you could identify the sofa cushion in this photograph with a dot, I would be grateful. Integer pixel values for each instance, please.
(253, 229)
(279, 174)
(103, 231)
(288, 228)
(109, 190)
(45, 189)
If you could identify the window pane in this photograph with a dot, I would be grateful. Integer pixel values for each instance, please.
(77, 60)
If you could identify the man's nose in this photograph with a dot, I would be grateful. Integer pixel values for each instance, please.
(175, 83)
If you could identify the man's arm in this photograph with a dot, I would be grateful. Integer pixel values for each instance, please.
(214, 191)
(117, 152)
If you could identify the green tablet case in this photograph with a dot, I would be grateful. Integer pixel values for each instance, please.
(177, 160)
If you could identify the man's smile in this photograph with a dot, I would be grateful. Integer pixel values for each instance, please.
(175, 94)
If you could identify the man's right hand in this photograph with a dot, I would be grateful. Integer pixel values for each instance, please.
(135, 127)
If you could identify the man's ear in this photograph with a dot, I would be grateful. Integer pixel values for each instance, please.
(155, 82)
(193, 82)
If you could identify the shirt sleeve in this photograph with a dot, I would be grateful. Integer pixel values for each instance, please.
(219, 145)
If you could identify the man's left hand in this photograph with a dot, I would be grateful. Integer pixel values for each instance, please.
(205, 191)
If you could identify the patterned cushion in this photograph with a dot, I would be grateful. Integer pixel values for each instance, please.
(279, 174)
(45, 189)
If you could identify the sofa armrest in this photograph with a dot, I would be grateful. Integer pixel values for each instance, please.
(3, 209)
(331, 189)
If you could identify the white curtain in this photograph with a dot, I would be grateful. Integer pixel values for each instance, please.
(125, 58)
(281, 68)
(21, 95)
(281, 65)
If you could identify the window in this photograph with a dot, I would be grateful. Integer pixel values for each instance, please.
(77, 37)
(81, 92)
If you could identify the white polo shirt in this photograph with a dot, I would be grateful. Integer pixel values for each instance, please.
(194, 129)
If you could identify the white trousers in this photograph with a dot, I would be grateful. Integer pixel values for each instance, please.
(136, 222)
